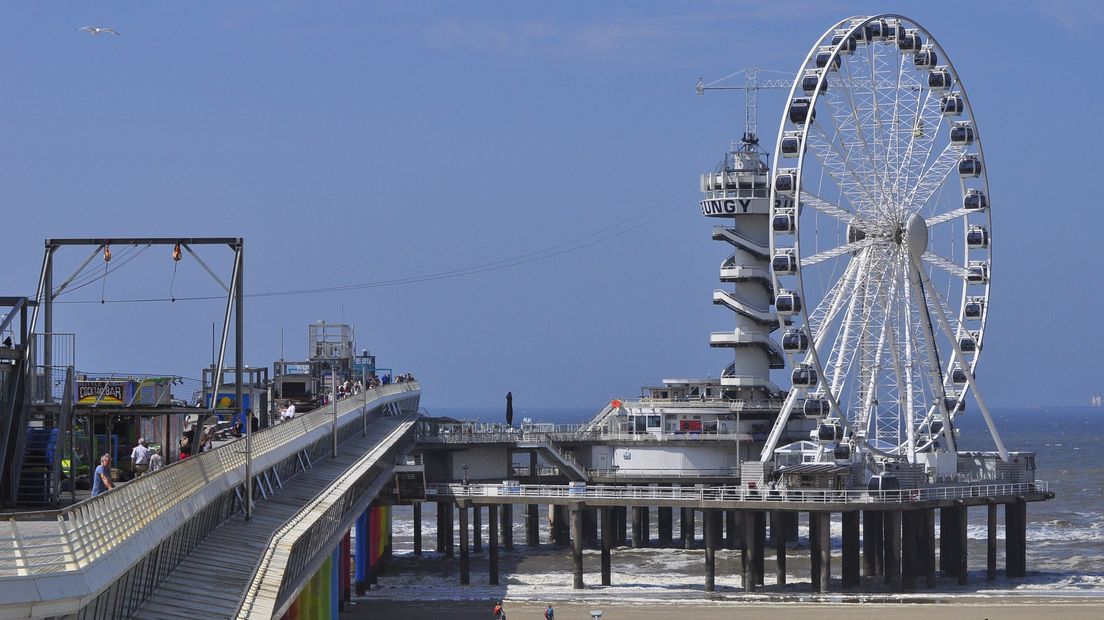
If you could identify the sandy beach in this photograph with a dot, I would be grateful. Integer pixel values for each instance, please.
(969, 609)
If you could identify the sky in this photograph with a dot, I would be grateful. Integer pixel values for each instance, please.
(545, 154)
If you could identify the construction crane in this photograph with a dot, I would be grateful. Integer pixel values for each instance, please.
(752, 86)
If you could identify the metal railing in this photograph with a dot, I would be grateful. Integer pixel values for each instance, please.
(621, 472)
(520, 436)
(95, 527)
(734, 494)
(292, 548)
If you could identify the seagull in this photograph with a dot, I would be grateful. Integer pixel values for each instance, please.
(93, 30)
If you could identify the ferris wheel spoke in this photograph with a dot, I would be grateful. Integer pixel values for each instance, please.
(946, 264)
(836, 158)
(853, 147)
(820, 257)
(925, 128)
(934, 177)
(948, 216)
(841, 213)
(831, 303)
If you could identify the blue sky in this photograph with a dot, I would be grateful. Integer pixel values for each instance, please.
(361, 142)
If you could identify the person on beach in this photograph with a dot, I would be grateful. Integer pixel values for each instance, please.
(101, 480)
(549, 614)
(498, 613)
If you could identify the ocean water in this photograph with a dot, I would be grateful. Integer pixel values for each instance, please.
(1065, 553)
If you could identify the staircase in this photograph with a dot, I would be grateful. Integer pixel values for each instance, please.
(37, 472)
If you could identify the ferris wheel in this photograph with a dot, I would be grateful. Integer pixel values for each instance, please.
(881, 244)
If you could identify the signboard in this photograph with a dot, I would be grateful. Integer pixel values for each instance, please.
(104, 392)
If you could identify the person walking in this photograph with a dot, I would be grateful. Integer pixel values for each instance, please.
(156, 462)
(499, 614)
(549, 614)
(101, 480)
(140, 457)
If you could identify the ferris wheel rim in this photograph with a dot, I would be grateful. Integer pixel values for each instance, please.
(852, 26)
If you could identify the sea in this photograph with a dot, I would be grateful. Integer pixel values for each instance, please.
(1065, 550)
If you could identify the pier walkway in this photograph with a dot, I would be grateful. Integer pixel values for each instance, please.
(104, 556)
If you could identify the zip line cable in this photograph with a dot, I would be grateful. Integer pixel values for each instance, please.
(566, 247)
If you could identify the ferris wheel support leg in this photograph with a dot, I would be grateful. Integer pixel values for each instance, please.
(946, 327)
(779, 426)
(916, 282)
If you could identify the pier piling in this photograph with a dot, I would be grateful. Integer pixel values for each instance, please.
(960, 545)
(477, 529)
(759, 557)
(777, 518)
(711, 523)
(532, 525)
(507, 525)
(991, 542)
(850, 564)
(637, 527)
(666, 521)
(608, 534)
(928, 540)
(820, 549)
(909, 551)
(577, 545)
(1015, 539)
(732, 529)
(686, 527)
(417, 528)
(891, 543)
(465, 564)
(492, 545)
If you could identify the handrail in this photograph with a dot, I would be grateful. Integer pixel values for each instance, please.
(729, 494)
(92, 528)
(302, 536)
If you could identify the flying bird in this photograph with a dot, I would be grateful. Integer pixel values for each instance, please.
(93, 30)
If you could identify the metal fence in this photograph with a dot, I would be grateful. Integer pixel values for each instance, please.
(729, 494)
(95, 527)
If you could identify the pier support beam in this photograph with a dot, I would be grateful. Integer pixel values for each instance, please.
(732, 529)
(910, 558)
(609, 532)
(754, 537)
(991, 542)
(507, 527)
(361, 553)
(820, 549)
(850, 549)
(492, 545)
(666, 521)
(872, 542)
(532, 525)
(929, 547)
(947, 525)
(1015, 539)
(621, 526)
(891, 543)
(465, 563)
(686, 527)
(418, 528)
(577, 545)
(590, 528)
(712, 522)
(638, 527)
(477, 528)
(759, 557)
(560, 525)
(777, 518)
(960, 546)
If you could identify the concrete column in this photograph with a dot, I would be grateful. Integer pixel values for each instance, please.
(947, 524)
(560, 525)
(532, 525)
(609, 532)
(450, 528)
(991, 542)
(891, 521)
(492, 544)
(872, 543)
(508, 527)
(577, 545)
(361, 553)
(686, 528)
(850, 549)
(346, 569)
(441, 529)
(590, 528)
(477, 528)
(533, 463)
(752, 540)
(777, 518)
(732, 529)
(960, 546)
(646, 522)
(909, 552)
(621, 526)
(465, 563)
(637, 527)
(417, 528)
(760, 545)
(666, 522)
(1015, 539)
(929, 547)
(711, 522)
(820, 530)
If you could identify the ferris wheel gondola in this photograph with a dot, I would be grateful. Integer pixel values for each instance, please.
(881, 241)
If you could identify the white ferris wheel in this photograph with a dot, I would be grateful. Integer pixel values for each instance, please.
(881, 244)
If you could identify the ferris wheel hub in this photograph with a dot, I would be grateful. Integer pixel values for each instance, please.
(916, 237)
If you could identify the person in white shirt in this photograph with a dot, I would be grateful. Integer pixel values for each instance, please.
(140, 458)
(288, 413)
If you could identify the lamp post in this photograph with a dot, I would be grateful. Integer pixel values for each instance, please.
(333, 395)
